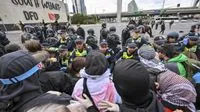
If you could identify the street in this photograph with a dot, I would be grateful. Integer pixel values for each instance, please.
(14, 36)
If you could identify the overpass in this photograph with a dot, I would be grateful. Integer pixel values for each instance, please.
(167, 11)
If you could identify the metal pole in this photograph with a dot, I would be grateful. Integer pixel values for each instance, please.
(119, 10)
(163, 5)
(4, 25)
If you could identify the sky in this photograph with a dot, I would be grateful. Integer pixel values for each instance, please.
(110, 6)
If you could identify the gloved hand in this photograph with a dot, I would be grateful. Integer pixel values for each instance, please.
(86, 102)
(107, 106)
(185, 41)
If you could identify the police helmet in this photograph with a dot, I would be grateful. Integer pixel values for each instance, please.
(174, 35)
(90, 31)
(51, 41)
(104, 42)
(50, 33)
(112, 29)
(159, 40)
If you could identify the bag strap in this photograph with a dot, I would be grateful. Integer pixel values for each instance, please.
(86, 91)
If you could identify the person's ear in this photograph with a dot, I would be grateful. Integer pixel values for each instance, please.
(157, 85)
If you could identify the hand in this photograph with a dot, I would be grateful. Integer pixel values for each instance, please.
(157, 85)
(86, 102)
(107, 106)
(178, 110)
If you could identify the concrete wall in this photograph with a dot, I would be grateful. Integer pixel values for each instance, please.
(32, 11)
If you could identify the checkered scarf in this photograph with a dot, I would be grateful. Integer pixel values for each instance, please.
(177, 90)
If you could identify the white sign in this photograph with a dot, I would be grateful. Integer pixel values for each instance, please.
(32, 11)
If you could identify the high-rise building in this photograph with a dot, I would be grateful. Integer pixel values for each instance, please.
(79, 6)
(132, 6)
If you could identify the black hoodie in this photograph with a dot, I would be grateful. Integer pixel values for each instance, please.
(132, 82)
(25, 94)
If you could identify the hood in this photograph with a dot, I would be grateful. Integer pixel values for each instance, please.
(147, 52)
(96, 63)
(15, 64)
(152, 106)
(180, 58)
(133, 78)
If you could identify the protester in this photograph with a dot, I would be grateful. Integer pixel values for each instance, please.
(95, 81)
(133, 85)
(20, 89)
(175, 91)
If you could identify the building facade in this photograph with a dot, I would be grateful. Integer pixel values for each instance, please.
(132, 6)
(79, 6)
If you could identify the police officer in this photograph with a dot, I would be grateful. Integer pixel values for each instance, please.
(192, 47)
(71, 38)
(50, 33)
(103, 32)
(64, 55)
(81, 49)
(172, 37)
(128, 53)
(91, 39)
(113, 39)
(136, 38)
(109, 53)
(158, 42)
(38, 33)
(62, 37)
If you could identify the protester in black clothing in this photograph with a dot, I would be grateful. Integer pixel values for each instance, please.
(103, 32)
(80, 31)
(133, 85)
(24, 92)
(162, 27)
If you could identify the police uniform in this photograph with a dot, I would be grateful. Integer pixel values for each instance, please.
(138, 41)
(77, 53)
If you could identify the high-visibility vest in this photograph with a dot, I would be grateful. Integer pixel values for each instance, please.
(81, 54)
(126, 56)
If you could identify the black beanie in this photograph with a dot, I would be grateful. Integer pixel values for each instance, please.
(96, 63)
(131, 80)
(15, 64)
(12, 48)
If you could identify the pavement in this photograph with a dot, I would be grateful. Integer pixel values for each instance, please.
(14, 36)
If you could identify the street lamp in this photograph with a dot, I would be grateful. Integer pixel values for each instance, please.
(3, 24)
